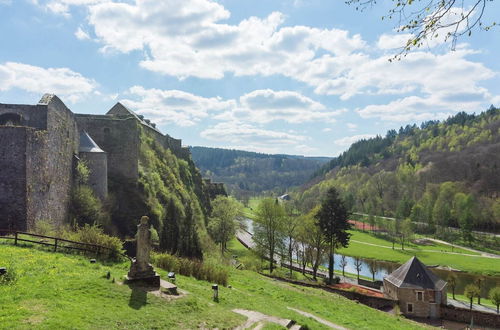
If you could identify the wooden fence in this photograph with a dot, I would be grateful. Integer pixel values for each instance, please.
(57, 242)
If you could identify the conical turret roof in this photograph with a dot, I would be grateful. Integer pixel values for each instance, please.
(87, 144)
(415, 275)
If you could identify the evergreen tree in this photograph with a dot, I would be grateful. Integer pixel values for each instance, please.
(332, 219)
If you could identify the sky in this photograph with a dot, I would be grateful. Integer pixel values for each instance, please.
(273, 76)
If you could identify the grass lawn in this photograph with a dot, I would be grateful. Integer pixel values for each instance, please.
(57, 291)
(473, 264)
(461, 297)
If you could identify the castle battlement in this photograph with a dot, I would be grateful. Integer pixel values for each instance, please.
(39, 147)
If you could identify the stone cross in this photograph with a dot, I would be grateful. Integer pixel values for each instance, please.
(141, 270)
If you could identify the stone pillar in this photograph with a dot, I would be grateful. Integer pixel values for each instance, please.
(141, 270)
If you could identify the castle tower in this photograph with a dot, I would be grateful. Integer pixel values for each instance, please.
(97, 161)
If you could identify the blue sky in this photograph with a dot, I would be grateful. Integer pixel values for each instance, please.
(296, 77)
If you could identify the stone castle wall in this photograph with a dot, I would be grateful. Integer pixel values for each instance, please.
(62, 145)
(119, 138)
(38, 157)
(13, 178)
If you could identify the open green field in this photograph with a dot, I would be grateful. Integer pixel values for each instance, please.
(57, 291)
(365, 245)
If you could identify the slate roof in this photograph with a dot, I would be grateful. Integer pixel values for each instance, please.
(87, 144)
(415, 275)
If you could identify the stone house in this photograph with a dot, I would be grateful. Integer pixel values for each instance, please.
(419, 292)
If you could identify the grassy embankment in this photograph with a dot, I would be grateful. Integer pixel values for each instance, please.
(381, 249)
(57, 291)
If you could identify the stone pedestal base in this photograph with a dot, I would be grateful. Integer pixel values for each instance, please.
(142, 274)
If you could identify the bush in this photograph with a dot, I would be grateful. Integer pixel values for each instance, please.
(85, 207)
(45, 228)
(209, 271)
(93, 234)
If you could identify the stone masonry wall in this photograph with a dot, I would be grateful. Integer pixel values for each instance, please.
(32, 115)
(119, 138)
(50, 163)
(13, 178)
(464, 315)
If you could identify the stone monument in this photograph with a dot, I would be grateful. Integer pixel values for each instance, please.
(141, 270)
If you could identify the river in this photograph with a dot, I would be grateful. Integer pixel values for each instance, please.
(385, 267)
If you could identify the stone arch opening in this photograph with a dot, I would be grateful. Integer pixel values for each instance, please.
(11, 119)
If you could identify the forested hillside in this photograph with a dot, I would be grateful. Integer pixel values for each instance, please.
(441, 173)
(249, 173)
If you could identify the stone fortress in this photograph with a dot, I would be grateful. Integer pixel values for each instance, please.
(41, 144)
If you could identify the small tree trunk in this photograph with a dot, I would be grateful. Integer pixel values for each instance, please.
(471, 303)
(330, 264)
(290, 255)
(453, 292)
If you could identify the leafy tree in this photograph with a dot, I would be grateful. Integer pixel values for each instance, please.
(478, 282)
(464, 211)
(222, 222)
(494, 295)
(310, 233)
(269, 223)
(406, 232)
(423, 21)
(452, 282)
(358, 265)
(332, 219)
(471, 291)
(291, 222)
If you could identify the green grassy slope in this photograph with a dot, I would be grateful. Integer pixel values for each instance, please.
(378, 248)
(56, 291)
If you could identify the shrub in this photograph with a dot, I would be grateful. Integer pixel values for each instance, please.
(209, 271)
(93, 234)
(85, 207)
(45, 228)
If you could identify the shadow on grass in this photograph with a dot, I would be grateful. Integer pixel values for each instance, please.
(138, 297)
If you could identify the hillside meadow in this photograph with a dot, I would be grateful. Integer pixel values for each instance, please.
(58, 291)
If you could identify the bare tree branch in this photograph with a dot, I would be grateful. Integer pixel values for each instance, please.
(425, 20)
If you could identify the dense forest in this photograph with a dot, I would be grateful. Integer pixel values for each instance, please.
(249, 173)
(440, 173)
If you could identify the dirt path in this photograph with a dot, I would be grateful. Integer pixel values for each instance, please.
(320, 320)
(258, 319)
(482, 255)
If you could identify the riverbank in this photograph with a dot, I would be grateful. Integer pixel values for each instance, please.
(365, 245)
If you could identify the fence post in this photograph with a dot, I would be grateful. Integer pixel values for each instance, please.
(15, 238)
(55, 245)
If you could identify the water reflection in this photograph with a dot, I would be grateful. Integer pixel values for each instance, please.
(384, 267)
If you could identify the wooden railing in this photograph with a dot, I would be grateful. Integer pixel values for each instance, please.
(58, 243)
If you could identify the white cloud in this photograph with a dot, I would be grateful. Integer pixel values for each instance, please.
(264, 106)
(188, 38)
(260, 106)
(348, 140)
(327, 129)
(241, 133)
(393, 41)
(81, 35)
(352, 127)
(174, 106)
(64, 82)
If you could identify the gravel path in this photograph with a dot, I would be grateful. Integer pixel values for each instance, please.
(320, 320)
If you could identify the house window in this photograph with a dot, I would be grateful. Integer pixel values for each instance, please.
(420, 296)
(410, 308)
